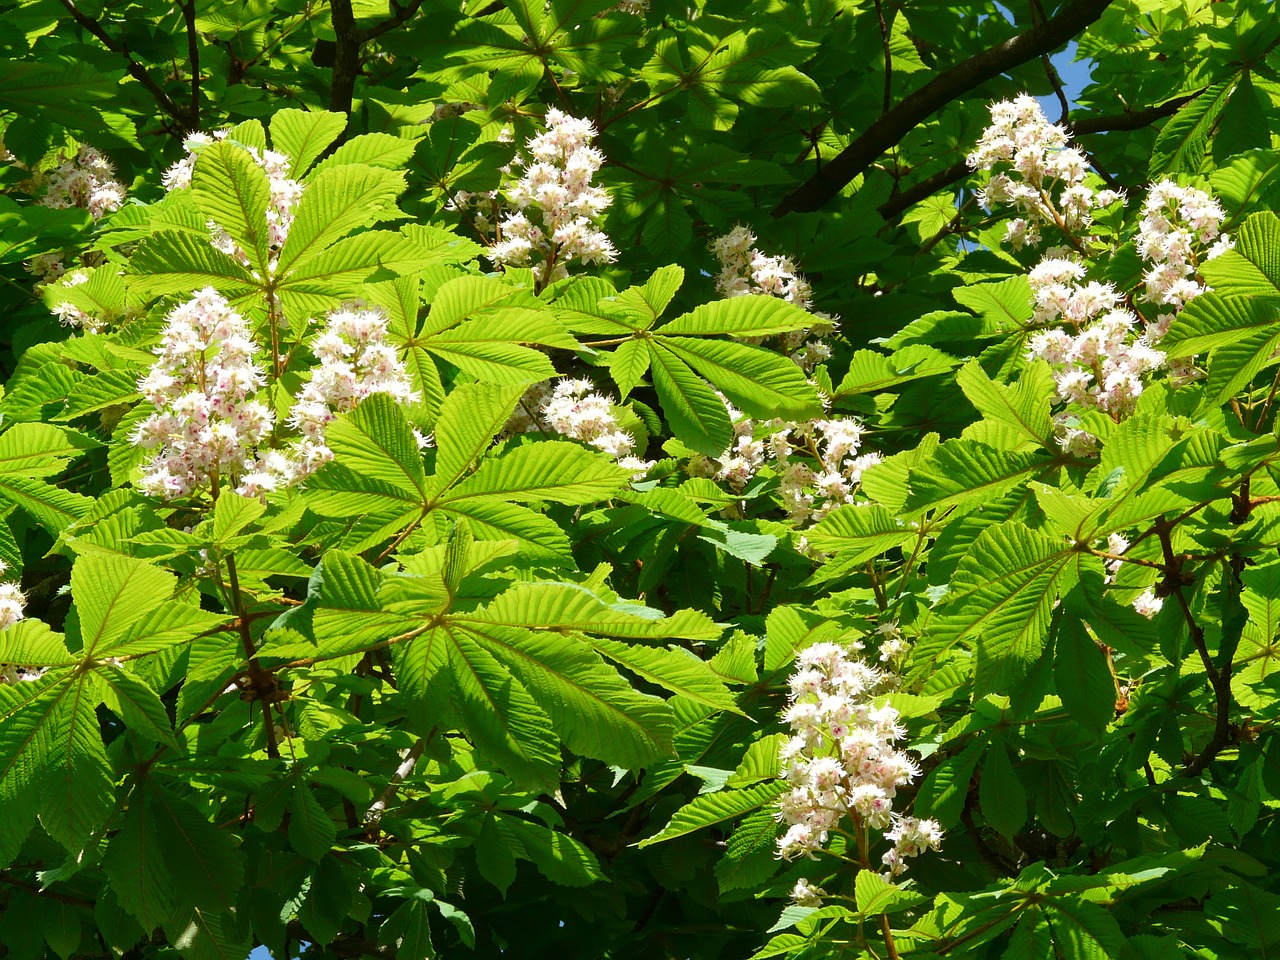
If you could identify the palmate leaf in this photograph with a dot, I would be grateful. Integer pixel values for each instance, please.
(675, 669)
(1024, 406)
(338, 200)
(1252, 269)
(568, 606)
(539, 537)
(871, 372)
(375, 441)
(470, 418)
(969, 473)
(1211, 320)
(1180, 147)
(592, 709)
(761, 383)
(858, 532)
(1001, 596)
(304, 135)
(500, 716)
(231, 189)
(137, 866)
(172, 262)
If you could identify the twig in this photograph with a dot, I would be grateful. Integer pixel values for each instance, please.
(379, 806)
(399, 15)
(262, 682)
(888, 129)
(135, 69)
(888, 59)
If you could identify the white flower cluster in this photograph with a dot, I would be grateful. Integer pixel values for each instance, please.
(745, 270)
(1100, 349)
(807, 493)
(1146, 603)
(557, 207)
(842, 761)
(574, 408)
(285, 193)
(72, 316)
(1099, 359)
(11, 601)
(86, 180)
(11, 611)
(1035, 160)
(207, 424)
(355, 362)
(1181, 228)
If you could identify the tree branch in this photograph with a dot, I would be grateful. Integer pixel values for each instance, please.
(399, 15)
(193, 55)
(346, 56)
(887, 130)
(135, 69)
(379, 806)
(1129, 120)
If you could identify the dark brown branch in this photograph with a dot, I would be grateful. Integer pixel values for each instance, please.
(398, 16)
(1130, 119)
(193, 55)
(1219, 679)
(889, 129)
(346, 56)
(134, 68)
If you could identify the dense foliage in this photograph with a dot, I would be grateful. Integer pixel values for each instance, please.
(697, 479)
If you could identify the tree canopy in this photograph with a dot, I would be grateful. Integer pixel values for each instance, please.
(647, 478)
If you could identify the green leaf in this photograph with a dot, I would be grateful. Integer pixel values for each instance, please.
(1023, 406)
(550, 470)
(593, 709)
(500, 716)
(138, 705)
(375, 441)
(170, 262)
(206, 867)
(859, 532)
(697, 417)
(559, 857)
(304, 135)
(969, 473)
(232, 190)
(335, 202)
(1003, 798)
(1180, 146)
(136, 865)
(566, 606)
(1082, 677)
(1211, 320)
(763, 384)
(876, 895)
(1252, 269)
(470, 418)
(872, 372)
(675, 669)
(1002, 596)
(748, 316)
(712, 808)
(311, 831)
